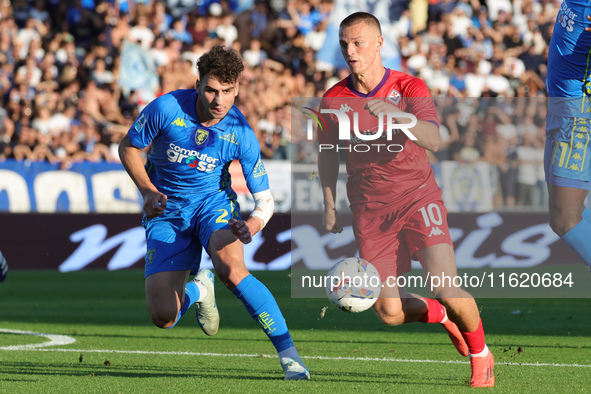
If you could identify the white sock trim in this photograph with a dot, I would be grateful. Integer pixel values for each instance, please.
(444, 317)
(483, 353)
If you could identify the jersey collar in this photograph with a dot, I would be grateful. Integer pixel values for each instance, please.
(374, 91)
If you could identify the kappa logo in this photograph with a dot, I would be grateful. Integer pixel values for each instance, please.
(579, 136)
(395, 96)
(345, 108)
(435, 231)
(578, 145)
(574, 167)
(229, 137)
(179, 122)
(576, 156)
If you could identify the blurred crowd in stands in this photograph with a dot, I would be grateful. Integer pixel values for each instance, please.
(62, 100)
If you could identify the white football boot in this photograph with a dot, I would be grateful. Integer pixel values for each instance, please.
(207, 310)
(295, 369)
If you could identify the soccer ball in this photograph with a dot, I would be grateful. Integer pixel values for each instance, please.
(353, 285)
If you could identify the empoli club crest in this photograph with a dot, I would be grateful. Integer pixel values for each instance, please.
(201, 136)
(150, 256)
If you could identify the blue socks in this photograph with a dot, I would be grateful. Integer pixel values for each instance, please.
(191, 296)
(263, 308)
(579, 237)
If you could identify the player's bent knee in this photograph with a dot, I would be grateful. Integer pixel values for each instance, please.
(391, 320)
(561, 225)
(163, 320)
(390, 317)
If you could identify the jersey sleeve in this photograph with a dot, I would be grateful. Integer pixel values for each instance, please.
(249, 156)
(326, 125)
(148, 124)
(420, 103)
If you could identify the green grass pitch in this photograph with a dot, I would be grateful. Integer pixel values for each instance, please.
(540, 345)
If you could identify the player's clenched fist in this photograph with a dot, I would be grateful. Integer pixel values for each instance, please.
(376, 107)
(154, 204)
(240, 230)
(331, 220)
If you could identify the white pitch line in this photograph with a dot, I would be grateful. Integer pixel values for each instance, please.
(371, 359)
(54, 340)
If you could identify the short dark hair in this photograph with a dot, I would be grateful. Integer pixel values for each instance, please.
(364, 17)
(221, 62)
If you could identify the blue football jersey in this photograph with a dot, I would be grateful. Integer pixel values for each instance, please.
(569, 62)
(187, 158)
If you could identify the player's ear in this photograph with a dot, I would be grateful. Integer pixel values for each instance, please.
(197, 84)
(380, 43)
(236, 88)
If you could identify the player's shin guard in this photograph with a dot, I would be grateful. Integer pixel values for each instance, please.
(435, 312)
(578, 238)
(475, 341)
(263, 308)
(191, 296)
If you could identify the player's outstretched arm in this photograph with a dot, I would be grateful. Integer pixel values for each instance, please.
(427, 133)
(328, 172)
(131, 158)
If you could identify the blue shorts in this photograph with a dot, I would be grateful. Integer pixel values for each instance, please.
(176, 238)
(567, 154)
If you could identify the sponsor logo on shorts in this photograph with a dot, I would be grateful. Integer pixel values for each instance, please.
(435, 231)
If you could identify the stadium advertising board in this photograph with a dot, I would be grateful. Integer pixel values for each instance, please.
(74, 242)
(40, 187)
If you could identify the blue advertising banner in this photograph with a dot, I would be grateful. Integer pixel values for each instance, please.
(86, 187)
(40, 187)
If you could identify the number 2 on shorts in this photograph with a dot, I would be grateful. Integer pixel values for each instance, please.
(222, 217)
(224, 214)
